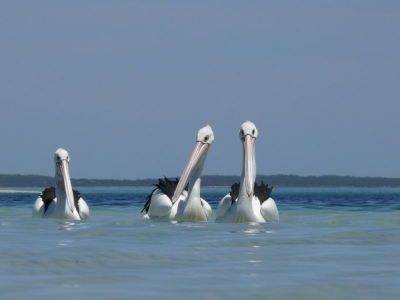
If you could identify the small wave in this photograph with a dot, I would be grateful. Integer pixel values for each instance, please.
(19, 191)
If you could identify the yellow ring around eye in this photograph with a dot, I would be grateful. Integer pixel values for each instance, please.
(58, 157)
(205, 138)
(254, 131)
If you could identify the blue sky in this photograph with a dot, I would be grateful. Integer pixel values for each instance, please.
(124, 86)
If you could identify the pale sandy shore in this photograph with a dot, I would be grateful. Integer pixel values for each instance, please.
(19, 191)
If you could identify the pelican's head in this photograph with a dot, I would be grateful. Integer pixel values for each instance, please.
(248, 134)
(63, 179)
(205, 135)
(248, 128)
(204, 139)
(61, 155)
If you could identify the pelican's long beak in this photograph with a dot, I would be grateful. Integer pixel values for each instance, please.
(195, 160)
(249, 168)
(64, 182)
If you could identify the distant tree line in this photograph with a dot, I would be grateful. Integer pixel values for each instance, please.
(210, 180)
(46, 181)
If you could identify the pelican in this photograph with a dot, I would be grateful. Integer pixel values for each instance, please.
(248, 202)
(169, 201)
(61, 202)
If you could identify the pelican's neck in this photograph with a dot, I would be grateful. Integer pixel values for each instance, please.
(62, 209)
(193, 208)
(243, 197)
(61, 200)
(244, 211)
(194, 187)
(61, 197)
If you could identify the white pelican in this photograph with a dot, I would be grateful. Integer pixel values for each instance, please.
(61, 202)
(248, 202)
(170, 202)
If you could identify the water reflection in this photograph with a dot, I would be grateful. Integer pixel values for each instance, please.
(71, 224)
(253, 231)
(65, 243)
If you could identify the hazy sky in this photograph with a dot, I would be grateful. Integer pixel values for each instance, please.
(124, 86)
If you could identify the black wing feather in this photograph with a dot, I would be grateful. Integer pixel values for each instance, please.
(234, 191)
(50, 193)
(77, 196)
(167, 186)
(47, 196)
(262, 192)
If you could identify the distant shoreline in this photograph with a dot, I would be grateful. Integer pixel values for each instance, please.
(32, 181)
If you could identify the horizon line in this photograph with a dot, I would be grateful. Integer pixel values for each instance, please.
(155, 178)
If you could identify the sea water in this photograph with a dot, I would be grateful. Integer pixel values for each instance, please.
(331, 243)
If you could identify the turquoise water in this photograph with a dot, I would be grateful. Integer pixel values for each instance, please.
(330, 244)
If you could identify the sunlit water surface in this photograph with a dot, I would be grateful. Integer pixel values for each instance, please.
(331, 243)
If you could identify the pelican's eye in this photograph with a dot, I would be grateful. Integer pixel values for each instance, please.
(253, 132)
(58, 158)
(67, 158)
(205, 140)
(242, 132)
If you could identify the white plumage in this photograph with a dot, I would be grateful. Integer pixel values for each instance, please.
(248, 202)
(61, 202)
(169, 201)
